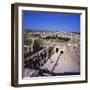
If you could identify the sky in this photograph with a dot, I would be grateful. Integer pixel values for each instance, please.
(51, 21)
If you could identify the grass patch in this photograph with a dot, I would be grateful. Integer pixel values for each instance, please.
(58, 39)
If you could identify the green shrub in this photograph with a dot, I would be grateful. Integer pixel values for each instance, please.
(27, 42)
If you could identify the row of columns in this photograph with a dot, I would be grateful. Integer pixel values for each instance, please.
(39, 59)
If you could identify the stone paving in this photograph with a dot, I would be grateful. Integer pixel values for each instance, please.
(67, 62)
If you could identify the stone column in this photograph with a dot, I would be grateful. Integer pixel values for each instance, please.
(32, 44)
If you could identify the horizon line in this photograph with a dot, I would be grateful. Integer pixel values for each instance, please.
(47, 30)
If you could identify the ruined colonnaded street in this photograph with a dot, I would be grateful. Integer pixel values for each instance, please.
(52, 54)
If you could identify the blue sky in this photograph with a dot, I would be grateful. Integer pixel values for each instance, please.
(51, 21)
